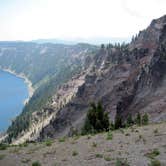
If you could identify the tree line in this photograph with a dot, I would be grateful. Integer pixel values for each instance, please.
(97, 120)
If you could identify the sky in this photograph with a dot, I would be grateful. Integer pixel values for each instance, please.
(68, 19)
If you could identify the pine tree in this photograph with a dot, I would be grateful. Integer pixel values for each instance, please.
(145, 119)
(87, 127)
(118, 122)
(97, 120)
(129, 120)
(138, 119)
(106, 122)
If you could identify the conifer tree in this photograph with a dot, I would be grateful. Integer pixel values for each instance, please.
(145, 119)
(118, 122)
(96, 120)
(138, 119)
(129, 120)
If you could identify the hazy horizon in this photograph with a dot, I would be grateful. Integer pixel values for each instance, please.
(76, 19)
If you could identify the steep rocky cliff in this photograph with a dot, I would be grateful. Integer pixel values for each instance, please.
(126, 79)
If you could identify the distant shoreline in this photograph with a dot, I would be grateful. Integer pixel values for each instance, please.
(26, 81)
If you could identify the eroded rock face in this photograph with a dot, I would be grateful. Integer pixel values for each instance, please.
(126, 81)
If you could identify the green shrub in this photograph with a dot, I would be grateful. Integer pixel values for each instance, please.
(3, 146)
(127, 134)
(36, 163)
(74, 153)
(76, 137)
(121, 162)
(109, 135)
(99, 155)
(107, 158)
(48, 142)
(62, 139)
(94, 144)
(155, 163)
(155, 131)
(25, 144)
(153, 154)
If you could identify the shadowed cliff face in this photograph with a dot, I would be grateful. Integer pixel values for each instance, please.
(125, 80)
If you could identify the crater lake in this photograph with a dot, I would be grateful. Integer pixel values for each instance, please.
(13, 93)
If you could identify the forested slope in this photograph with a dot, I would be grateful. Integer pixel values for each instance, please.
(47, 66)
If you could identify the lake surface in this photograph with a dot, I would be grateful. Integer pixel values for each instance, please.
(13, 92)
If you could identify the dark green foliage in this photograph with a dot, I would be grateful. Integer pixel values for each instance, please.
(48, 142)
(25, 144)
(145, 119)
(130, 121)
(138, 119)
(153, 154)
(97, 120)
(118, 122)
(36, 163)
(109, 135)
(74, 153)
(154, 163)
(98, 155)
(107, 158)
(3, 146)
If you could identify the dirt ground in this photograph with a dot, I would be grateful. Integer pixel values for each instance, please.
(135, 146)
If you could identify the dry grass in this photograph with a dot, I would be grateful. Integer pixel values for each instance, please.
(139, 145)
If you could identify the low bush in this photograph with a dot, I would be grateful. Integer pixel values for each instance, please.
(98, 155)
(36, 163)
(109, 135)
(3, 146)
(121, 162)
(153, 154)
(48, 142)
(155, 163)
(63, 139)
(74, 153)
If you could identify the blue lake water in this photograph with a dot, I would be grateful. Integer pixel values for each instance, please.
(13, 92)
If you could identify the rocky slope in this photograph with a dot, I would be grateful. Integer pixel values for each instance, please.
(127, 79)
(39, 120)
